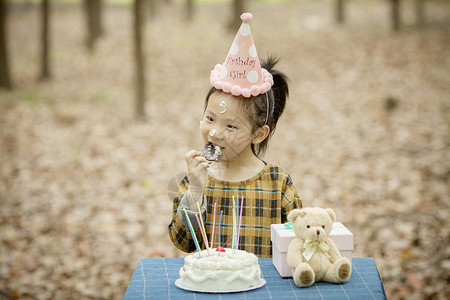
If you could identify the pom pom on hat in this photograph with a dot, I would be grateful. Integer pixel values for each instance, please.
(245, 17)
(241, 73)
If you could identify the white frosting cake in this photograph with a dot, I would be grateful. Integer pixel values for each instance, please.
(232, 270)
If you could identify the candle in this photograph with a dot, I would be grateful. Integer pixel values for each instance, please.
(237, 221)
(192, 231)
(234, 224)
(240, 221)
(220, 221)
(203, 233)
(203, 227)
(214, 223)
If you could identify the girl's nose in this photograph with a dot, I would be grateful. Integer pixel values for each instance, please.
(212, 132)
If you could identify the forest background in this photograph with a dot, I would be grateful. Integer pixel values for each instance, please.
(86, 186)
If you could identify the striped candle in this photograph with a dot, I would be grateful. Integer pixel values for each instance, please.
(237, 222)
(214, 224)
(192, 231)
(203, 234)
(234, 224)
(240, 221)
(220, 221)
(202, 228)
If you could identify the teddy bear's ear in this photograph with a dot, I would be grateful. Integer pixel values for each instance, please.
(292, 216)
(331, 213)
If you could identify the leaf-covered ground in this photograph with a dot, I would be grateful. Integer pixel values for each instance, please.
(85, 189)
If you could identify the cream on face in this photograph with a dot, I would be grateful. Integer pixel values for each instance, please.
(223, 106)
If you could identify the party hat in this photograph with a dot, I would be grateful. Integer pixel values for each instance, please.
(241, 73)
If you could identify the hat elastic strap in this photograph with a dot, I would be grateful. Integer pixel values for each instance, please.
(267, 110)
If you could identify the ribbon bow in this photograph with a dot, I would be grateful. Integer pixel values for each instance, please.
(288, 225)
(311, 246)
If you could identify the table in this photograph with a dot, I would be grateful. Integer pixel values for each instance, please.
(154, 278)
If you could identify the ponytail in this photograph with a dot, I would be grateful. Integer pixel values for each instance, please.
(276, 98)
(279, 92)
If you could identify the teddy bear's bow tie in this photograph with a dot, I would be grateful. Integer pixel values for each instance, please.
(311, 246)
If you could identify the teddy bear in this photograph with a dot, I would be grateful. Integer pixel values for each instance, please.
(312, 255)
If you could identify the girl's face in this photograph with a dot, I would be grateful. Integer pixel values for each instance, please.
(225, 125)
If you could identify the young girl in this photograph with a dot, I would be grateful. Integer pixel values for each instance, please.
(239, 126)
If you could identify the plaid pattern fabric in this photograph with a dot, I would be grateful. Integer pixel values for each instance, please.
(268, 198)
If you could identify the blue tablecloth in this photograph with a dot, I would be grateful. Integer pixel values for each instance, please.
(154, 278)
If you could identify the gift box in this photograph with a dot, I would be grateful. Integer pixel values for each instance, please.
(282, 235)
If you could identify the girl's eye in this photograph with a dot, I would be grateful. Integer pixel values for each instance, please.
(209, 119)
(231, 127)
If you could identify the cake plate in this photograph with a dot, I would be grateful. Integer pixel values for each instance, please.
(179, 283)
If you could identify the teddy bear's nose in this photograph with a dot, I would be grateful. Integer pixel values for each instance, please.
(318, 232)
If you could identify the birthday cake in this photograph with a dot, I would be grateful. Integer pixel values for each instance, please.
(230, 271)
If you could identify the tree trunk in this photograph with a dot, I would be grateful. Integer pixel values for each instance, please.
(94, 25)
(340, 11)
(139, 59)
(396, 16)
(420, 13)
(152, 8)
(237, 10)
(45, 40)
(5, 79)
(98, 20)
(189, 9)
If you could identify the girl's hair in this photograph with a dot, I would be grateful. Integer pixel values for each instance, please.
(256, 106)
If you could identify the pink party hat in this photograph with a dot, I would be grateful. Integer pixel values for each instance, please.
(241, 73)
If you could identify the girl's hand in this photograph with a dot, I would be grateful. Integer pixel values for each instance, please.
(197, 166)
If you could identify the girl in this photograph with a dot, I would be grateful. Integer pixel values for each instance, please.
(240, 126)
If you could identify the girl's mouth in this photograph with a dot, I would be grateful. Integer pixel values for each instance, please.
(212, 152)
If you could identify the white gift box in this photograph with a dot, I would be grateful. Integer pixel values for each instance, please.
(282, 235)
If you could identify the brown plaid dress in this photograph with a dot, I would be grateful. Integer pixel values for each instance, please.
(268, 198)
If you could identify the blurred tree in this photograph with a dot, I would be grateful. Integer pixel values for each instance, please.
(238, 8)
(5, 79)
(45, 40)
(139, 60)
(189, 9)
(395, 14)
(152, 8)
(340, 11)
(93, 10)
(420, 13)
